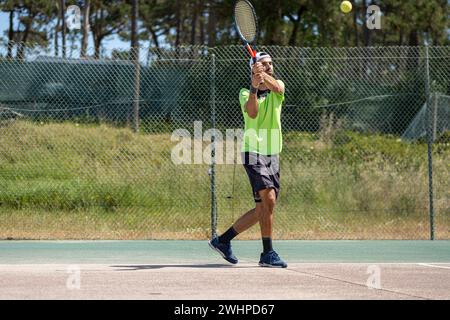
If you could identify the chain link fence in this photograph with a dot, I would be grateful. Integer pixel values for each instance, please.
(114, 149)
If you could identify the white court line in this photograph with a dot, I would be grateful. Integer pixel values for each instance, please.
(432, 266)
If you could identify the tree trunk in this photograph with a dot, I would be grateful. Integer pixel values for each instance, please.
(211, 25)
(84, 41)
(178, 23)
(63, 27)
(134, 17)
(21, 50)
(97, 32)
(194, 23)
(97, 44)
(202, 30)
(355, 26)
(296, 23)
(366, 32)
(154, 36)
(413, 52)
(10, 35)
(322, 32)
(58, 21)
(273, 25)
(413, 38)
(72, 38)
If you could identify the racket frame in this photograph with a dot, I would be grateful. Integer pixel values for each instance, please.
(250, 46)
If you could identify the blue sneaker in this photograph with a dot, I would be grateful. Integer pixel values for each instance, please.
(224, 249)
(271, 259)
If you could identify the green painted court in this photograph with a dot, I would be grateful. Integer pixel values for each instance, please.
(191, 270)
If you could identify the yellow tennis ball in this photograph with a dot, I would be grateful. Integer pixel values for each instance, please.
(346, 6)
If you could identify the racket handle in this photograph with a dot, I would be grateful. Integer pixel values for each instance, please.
(252, 53)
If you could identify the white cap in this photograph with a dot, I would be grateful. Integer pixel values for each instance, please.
(259, 56)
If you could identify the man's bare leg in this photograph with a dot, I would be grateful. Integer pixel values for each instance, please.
(262, 213)
(269, 258)
(269, 199)
(248, 219)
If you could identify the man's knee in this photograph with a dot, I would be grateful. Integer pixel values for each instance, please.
(269, 199)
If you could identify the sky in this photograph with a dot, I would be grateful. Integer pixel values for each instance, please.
(110, 43)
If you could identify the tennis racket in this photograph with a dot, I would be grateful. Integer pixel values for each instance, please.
(246, 24)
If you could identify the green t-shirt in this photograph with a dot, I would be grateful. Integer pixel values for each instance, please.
(263, 134)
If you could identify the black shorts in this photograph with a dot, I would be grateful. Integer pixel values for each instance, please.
(263, 172)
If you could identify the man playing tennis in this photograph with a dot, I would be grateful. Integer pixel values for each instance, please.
(261, 108)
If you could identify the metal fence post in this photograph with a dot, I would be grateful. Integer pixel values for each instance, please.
(213, 148)
(137, 89)
(429, 142)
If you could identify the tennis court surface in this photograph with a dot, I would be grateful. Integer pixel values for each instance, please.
(190, 270)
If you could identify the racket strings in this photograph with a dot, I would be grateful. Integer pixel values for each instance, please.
(245, 21)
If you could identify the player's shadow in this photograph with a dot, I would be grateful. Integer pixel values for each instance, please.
(161, 266)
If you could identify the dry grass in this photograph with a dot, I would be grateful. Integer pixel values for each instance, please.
(67, 181)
